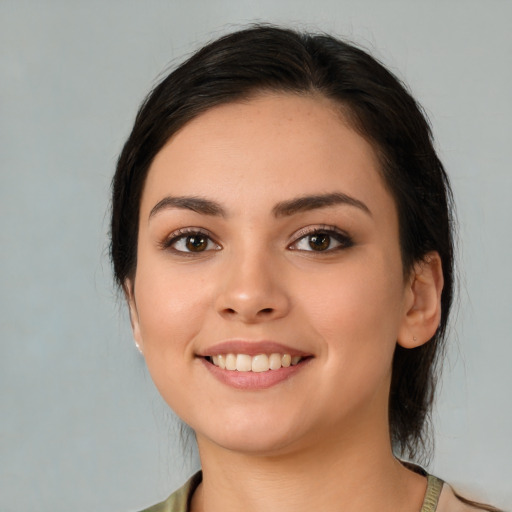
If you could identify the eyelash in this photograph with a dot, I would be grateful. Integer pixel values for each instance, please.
(183, 234)
(343, 240)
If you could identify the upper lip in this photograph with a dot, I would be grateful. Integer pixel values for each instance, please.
(251, 348)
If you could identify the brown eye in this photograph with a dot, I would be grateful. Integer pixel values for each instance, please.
(319, 242)
(196, 243)
(191, 242)
(322, 240)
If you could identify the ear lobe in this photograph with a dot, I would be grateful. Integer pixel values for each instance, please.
(134, 315)
(423, 309)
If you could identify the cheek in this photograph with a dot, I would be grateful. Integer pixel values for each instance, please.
(356, 307)
(357, 320)
(171, 306)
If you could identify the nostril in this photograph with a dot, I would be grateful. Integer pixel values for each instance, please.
(267, 310)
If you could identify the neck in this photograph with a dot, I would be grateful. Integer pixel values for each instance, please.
(329, 476)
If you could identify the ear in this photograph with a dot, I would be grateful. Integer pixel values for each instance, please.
(129, 292)
(423, 302)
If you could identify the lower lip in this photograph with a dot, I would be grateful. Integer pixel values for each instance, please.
(254, 380)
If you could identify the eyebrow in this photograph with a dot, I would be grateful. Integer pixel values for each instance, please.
(313, 202)
(196, 204)
(282, 209)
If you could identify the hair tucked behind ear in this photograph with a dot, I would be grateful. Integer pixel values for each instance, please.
(267, 58)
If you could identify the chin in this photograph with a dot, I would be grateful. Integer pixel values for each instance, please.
(256, 445)
(259, 439)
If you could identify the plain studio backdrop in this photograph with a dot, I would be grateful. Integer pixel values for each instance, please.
(82, 427)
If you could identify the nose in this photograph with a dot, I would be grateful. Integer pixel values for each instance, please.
(253, 289)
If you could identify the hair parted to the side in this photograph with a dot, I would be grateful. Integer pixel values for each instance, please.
(268, 58)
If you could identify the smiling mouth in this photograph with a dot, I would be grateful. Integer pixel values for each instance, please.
(257, 364)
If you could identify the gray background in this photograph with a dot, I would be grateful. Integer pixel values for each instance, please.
(82, 427)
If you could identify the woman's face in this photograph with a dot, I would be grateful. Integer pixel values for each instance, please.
(266, 230)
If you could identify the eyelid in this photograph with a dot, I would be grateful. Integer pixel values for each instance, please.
(173, 237)
(346, 239)
(323, 228)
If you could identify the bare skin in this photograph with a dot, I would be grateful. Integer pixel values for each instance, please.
(249, 264)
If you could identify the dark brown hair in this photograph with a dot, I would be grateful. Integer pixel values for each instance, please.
(378, 106)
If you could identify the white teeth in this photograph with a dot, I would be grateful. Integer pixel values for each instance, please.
(274, 361)
(286, 360)
(258, 363)
(231, 362)
(243, 363)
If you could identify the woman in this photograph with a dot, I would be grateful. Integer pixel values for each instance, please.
(281, 227)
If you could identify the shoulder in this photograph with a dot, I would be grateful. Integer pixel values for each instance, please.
(179, 500)
(450, 501)
(440, 497)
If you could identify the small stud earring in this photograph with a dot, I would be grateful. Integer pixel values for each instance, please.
(138, 347)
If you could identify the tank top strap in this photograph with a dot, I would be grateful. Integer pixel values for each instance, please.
(434, 488)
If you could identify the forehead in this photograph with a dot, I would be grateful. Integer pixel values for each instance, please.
(285, 144)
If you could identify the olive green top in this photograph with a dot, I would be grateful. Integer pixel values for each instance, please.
(179, 501)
